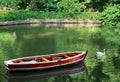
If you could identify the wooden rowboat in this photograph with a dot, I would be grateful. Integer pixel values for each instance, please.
(45, 61)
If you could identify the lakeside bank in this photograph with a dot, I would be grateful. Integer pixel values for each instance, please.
(53, 22)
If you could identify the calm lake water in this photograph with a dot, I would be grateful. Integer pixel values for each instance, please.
(20, 42)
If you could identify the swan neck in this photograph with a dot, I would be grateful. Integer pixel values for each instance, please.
(104, 51)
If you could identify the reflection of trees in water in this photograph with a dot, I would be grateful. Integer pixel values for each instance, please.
(98, 74)
(97, 38)
(116, 60)
(2, 69)
(66, 78)
(119, 50)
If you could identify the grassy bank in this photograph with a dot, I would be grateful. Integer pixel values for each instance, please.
(21, 15)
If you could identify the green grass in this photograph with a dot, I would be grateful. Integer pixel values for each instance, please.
(21, 15)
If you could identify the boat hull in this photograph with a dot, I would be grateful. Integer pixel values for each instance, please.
(45, 65)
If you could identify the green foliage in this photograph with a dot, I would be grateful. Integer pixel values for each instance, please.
(70, 6)
(112, 2)
(111, 14)
(42, 5)
(10, 3)
(21, 15)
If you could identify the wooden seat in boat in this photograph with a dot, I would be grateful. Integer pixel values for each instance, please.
(66, 56)
(45, 60)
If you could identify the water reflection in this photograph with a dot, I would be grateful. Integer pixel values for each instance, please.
(64, 71)
(98, 73)
(14, 35)
(20, 42)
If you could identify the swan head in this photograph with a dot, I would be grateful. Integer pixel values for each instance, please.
(104, 51)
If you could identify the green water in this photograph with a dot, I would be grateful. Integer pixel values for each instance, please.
(20, 42)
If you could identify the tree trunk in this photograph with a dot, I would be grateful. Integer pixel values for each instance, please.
(34, 5)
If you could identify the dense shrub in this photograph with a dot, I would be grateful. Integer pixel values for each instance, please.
(111, 15)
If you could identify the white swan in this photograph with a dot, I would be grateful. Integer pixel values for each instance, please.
(101, 53)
